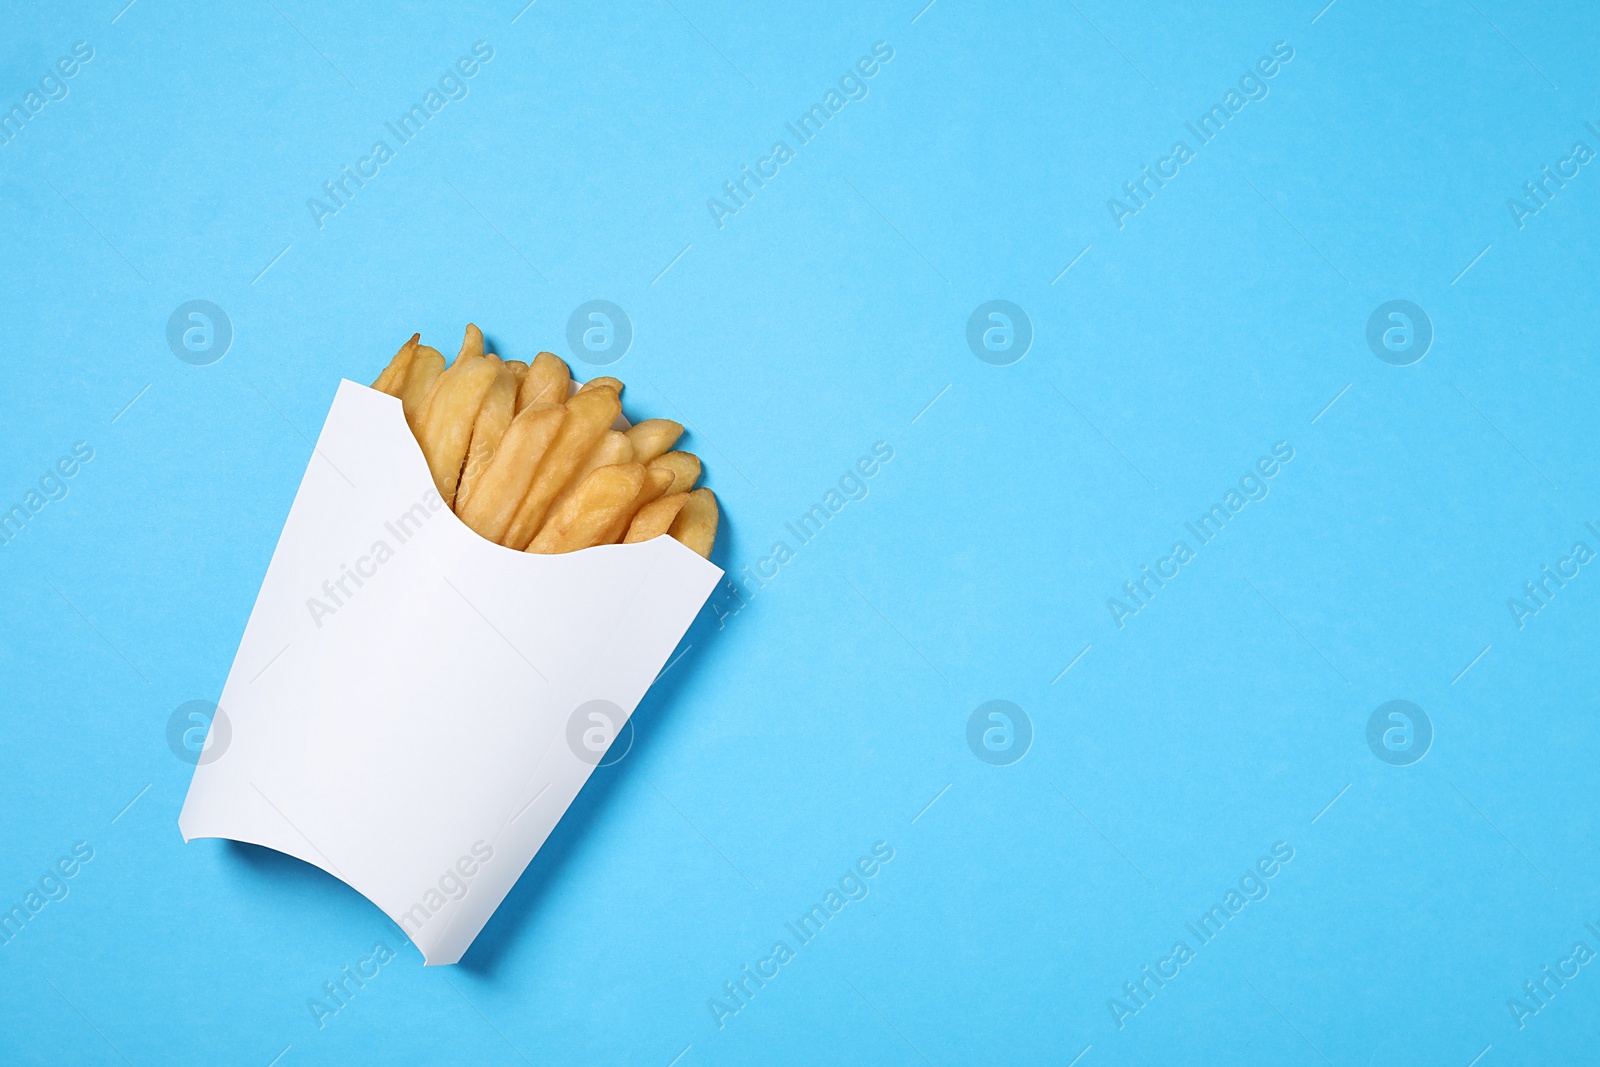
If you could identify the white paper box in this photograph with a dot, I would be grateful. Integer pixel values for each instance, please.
(412, 707)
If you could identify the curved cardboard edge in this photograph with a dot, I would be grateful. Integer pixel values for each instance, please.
(430, 958)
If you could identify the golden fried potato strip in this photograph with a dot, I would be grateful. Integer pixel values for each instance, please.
(471, 343)
(394, 375)
(426, 366)
(548, 381)
(655, 518)
(652, 437)
(602, 383)
(655, 484)
(589, 418)
(504, 483)
(685, 469)
(445, 425)
(696, 524)
(493, 419)
(587, 514)
(613, 447)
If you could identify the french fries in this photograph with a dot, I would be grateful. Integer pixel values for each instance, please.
(518, 369)
(684, 468)
(589, 416)
(602, 383)
(696, 524)
(655, 519)
(471, 343)
(583, 518)
(548, 381)
(426, 366)
(445, 426)
(531, 463)
(613, 447)
(655, 483)
(652, 438)
(394, 375)
(505, 482)
(493, 419)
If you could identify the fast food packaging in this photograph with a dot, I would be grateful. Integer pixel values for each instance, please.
(413, 707)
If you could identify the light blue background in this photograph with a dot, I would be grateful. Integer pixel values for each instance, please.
(826, 714)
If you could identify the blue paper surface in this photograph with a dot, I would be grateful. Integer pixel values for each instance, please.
(1339, 347)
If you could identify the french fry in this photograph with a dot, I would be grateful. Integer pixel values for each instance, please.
(426, 366)
(655, 518)
(498, 492)
(446, 422)
(685, 469)
(548, 381)
(584, 517)
(471, 343)
(613, 447)
(602, 383)
(589, 418)
(518, 368)
(493, 419)
(394, 375)
(654, 485)
(696, 524)
(652, 438)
